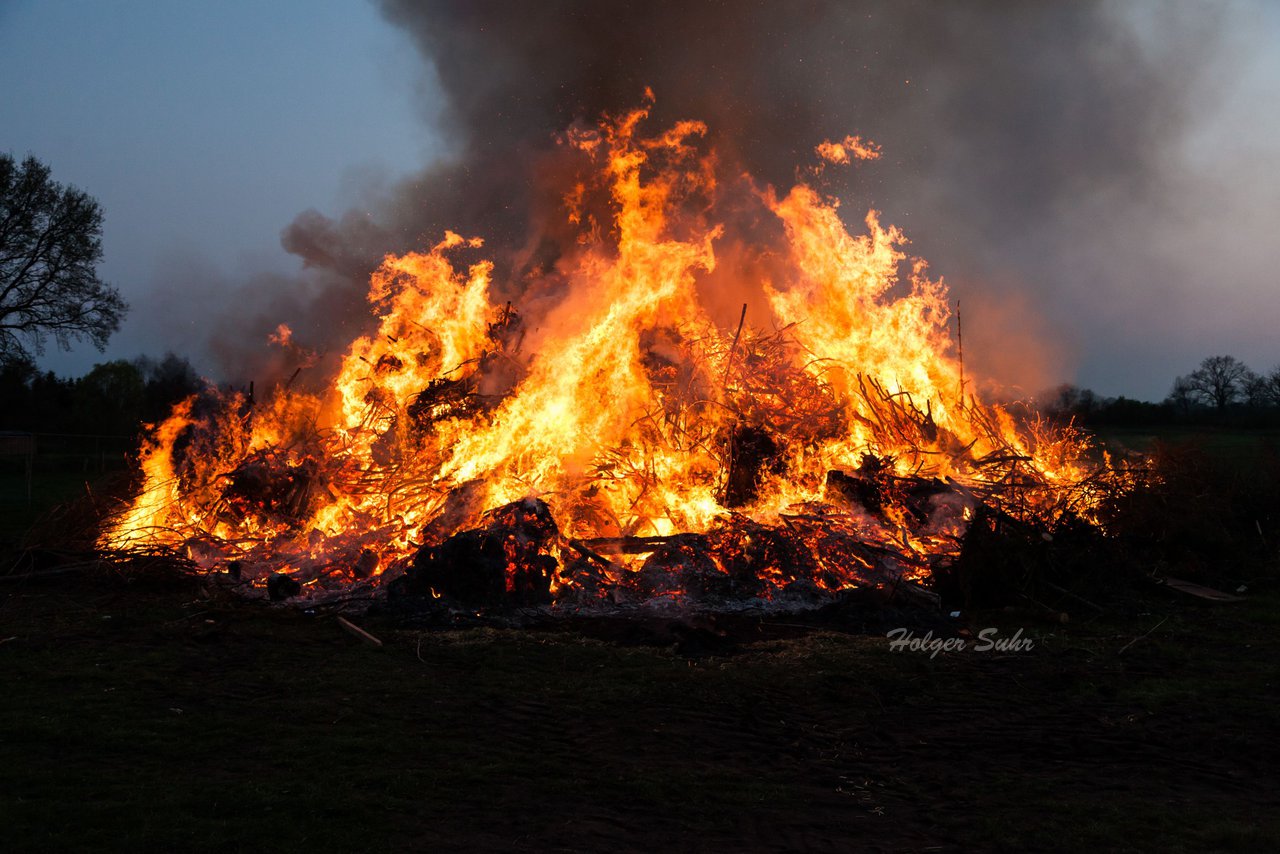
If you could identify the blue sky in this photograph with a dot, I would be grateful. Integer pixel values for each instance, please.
(204, 128)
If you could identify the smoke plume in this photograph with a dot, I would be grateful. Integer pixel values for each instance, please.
(1013, 134)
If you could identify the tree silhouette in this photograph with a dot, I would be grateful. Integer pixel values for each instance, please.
(1270, 386)
(1219, 381)
(1182, 396)
(1255, 390)
(50, 243)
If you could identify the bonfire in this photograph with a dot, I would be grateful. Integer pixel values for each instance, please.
(611, 438)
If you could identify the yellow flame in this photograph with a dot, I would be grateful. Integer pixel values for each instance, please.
(620, 407)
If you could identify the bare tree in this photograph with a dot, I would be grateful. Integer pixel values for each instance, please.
(50, 244)
(1255, 390)
(1220, 380)
(1271, 386)
(1182, 395)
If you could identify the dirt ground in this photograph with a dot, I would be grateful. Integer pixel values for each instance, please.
(156, 717)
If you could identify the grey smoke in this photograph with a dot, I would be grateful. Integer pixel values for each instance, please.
(1023, 141)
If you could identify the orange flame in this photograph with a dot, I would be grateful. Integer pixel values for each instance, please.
(851, 147)
(625, 406)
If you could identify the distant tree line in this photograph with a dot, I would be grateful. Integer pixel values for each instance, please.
(113, 399)
(1222, 382)
(117, 397)
(1222, 390)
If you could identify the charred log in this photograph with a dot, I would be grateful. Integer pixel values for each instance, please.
(851, 489)
(874, 487)
(589, 582)
(281, 587)
(505, 563)
(683, 569)
(751, 454)
(268, 485)
(736, 561)
(754, 555)
(531, 516)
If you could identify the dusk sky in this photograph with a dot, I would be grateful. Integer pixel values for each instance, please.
(204, 130)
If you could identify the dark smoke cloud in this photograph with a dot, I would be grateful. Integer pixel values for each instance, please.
(1000, 122)
(1038, 101)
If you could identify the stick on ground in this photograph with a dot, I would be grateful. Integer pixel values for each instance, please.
(359, 632)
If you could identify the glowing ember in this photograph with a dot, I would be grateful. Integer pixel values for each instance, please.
(848, 148)
(678, 454)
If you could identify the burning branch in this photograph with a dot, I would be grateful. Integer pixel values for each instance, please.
(829, 453)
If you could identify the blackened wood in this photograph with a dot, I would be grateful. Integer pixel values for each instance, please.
(281, 586)
(752, 452)
(504, 563)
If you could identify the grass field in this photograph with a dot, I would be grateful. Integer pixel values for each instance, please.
(149, 713)
(154, 719)
(56, 478)
(1233, 448)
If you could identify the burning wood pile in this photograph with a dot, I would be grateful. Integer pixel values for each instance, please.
(602, 440)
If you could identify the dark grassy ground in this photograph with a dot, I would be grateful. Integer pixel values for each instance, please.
(18, 513)
(1232, 448)
(56, 478)
(159, 715)
(159, 719)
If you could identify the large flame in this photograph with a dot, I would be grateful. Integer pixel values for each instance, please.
(625, 405)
